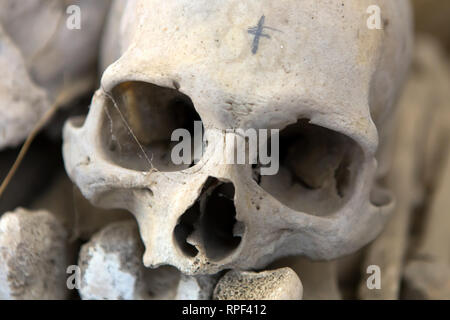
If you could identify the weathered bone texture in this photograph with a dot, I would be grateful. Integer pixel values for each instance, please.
(41, 57)
(33, 256)
(280, 284)
(322, 77)
(78, 216)
(319, 279)
(111, 268)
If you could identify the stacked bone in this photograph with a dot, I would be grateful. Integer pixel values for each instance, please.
(35, 254)
(37, 248)
(42, 60)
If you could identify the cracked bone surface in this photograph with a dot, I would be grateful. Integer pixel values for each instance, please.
(279, 284)
(42, 58)
(328, 87)
(33, 256)
(112, 269)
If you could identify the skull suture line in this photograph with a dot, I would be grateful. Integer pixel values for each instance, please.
(317, 73)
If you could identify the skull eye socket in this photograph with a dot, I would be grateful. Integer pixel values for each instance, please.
(210, 222)
(318, 169)
(138, 125)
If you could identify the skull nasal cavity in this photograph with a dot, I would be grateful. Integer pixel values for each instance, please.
(138, 124)
(210, 223)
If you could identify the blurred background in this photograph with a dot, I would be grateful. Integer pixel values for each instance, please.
(413, 253)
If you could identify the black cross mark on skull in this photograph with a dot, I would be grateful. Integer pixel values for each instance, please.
(258, 33)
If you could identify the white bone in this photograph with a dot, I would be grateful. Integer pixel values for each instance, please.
(320, 63)
(112, 269)
(279, 284)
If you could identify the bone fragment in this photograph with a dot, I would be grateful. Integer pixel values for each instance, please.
(112, 269)
(408, 155)
(33, 256)
(427, 274)
(280, 284)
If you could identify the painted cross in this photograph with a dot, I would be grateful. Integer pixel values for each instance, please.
(258, 33)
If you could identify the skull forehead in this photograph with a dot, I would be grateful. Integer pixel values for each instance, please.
(321, 50)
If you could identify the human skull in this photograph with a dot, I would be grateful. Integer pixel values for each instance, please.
(312, 69)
